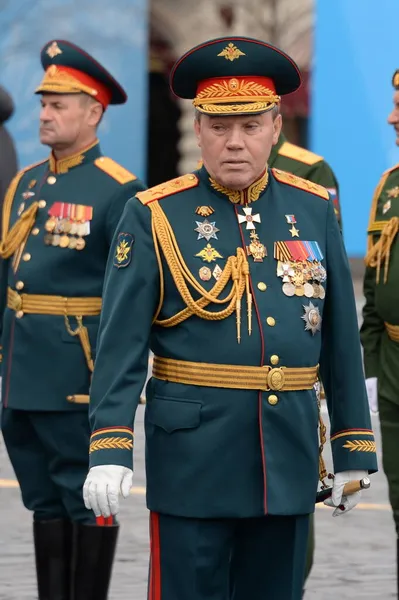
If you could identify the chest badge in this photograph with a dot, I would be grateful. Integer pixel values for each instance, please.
(291, 220)
(248, 218)
(204, 211)
(256, 249)
(312, 318)
(209, 254)
(207, 230)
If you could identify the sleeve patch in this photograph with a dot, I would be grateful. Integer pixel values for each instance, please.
(123, 251)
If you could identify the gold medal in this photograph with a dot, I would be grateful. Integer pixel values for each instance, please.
(316, 290)
(72, 243)
(50, 224)
(67, 226)
(308, 289)
(81, 229)
(80, 243)
(74, 228)
(256, 249)
(48, 239)
(205, 273)
(322, 292)
(64, 241)
(288, 289)
(299, 291)
(56, 239)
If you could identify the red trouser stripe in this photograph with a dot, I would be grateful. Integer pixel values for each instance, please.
(154, 592)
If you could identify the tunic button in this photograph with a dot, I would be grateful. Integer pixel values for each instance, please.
(270, 321)
(51, 180)
(35, 231)
(262, 286)
(20, 285)
(272, 399)
(19, 314)
(274, 359)
(42, 203)
(26, 257)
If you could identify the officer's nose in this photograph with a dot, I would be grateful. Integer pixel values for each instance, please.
(235, 140)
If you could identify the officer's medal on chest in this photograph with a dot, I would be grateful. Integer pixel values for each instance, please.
(68, 225)
(299, 266)
(255, 249)
(26, 196)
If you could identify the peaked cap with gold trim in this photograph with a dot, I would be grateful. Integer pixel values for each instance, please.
(71, 70)
(234, 76)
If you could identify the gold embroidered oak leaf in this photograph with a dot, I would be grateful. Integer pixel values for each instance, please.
(360, 446)
(111, 443)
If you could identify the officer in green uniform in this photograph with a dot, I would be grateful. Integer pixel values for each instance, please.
(236, 277)
(304, 163)
(380, 328)
(59, 218)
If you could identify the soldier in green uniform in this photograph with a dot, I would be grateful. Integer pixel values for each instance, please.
(304, 163)
(59, 218)
(380, 328)
(236, 277)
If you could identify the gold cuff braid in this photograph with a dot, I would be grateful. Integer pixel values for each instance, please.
(235, 270)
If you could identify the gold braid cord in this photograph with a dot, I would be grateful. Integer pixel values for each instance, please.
(381, 251)
(323, 439)
(18, 232)
(235, 270)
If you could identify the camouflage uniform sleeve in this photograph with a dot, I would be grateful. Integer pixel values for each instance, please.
(118, 203)
(352, 440)
(130, 300)
(372, 327)
(324, 175)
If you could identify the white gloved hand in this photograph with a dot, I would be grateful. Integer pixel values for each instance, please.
(102, 488)
(337, 499)
(371, 387)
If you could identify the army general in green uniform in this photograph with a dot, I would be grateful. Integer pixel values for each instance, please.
(58, 222)
(236, 277)
(380, 328)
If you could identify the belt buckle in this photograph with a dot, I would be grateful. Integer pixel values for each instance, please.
(275, 379)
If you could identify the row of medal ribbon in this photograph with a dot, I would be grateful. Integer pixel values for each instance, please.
(67, 225)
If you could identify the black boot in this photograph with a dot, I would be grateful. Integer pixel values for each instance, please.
(53, 545)
(92, 559)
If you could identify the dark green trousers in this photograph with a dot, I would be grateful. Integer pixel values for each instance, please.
(389, 422)
(49, 452)
(227, 559)
(310, 547)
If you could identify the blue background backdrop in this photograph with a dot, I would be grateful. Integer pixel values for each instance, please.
(114, 33)
(356, 52)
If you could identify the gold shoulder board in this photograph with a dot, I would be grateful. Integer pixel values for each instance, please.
(185, 182)
(114, 170)
(300, 154)
(302, 184)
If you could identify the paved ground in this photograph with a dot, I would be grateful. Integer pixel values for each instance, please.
(354, 558)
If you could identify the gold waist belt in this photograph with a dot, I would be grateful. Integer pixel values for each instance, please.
(237, 377)
(38, 304)
(393, 332)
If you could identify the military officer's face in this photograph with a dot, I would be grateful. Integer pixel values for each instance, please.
(68, 121)
(393, 118)
(235, 149)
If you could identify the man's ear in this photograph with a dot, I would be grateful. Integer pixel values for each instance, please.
(277, 125)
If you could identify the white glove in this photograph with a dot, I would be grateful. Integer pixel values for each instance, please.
(371, 387)
(337, 499)
(102, 488)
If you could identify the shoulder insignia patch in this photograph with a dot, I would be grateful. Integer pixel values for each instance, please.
(114, 170)
(179, 184)
(297, 153)
(302, 184)
(123, 251)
